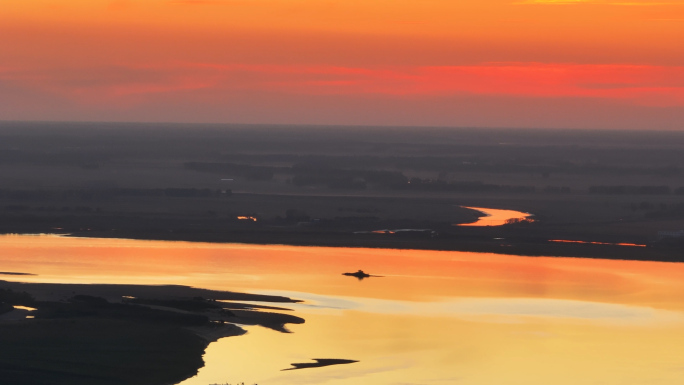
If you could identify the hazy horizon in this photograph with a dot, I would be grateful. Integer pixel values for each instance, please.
(589, 64)
(228, 125)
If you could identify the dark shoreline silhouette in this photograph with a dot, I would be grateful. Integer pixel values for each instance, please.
(123, 334)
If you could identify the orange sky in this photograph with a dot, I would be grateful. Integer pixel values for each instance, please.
(532, 63)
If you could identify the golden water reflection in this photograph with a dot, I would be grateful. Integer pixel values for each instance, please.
(496, 217)
(433, 318)
(405, 349)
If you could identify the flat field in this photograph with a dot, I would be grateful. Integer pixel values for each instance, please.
(321, 185)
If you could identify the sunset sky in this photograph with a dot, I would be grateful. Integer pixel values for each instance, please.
(504, 63)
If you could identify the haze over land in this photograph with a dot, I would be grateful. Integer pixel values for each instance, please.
(347, 186)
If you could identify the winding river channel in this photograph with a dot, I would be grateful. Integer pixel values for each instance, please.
(432, 317)
(496, 217)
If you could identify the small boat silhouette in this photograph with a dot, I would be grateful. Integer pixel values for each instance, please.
(359, 274)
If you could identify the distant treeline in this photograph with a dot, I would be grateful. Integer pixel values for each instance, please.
(306, 174)
(672, 211)
(88, 194)
(309, 174)
(237, 170)
(557, 190)
(635, 190)
(526, 165)
(325, 173)
(486, 159)
(441, 185)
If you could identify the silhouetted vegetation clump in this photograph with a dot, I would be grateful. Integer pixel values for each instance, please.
(5, 308)
(673, 211)
(12, 297)
(458, 186)
(630, 190)
(557, 190)
(232, 169)
(108, 193)
(338, 178)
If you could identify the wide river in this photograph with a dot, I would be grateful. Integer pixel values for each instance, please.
(433, 318)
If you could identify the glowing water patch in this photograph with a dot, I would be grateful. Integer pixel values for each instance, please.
(487, 309)
(24, 308)
(496, 217)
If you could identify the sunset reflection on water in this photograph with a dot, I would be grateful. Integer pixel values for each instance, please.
(433, 318)
(496, 217)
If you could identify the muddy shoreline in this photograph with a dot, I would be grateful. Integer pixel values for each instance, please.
(119, 334)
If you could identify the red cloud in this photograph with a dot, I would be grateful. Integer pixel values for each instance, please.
(638, 84)
(649, 85)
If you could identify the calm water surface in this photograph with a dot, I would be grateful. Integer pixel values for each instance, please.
(434, 318)
(496, 217)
